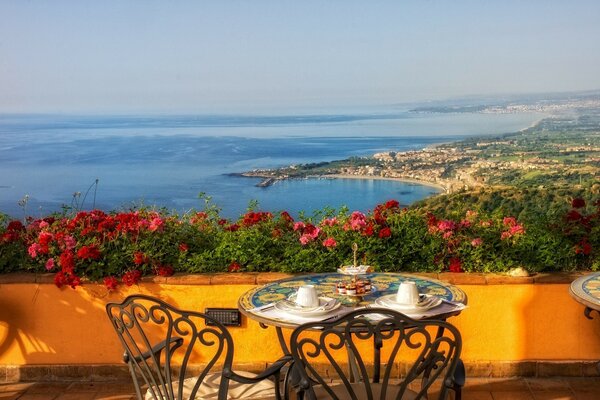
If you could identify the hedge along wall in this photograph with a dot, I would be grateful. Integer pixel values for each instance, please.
(512, 326)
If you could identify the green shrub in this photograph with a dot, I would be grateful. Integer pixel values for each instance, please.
(120, 247)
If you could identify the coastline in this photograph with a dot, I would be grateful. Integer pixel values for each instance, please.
(535, 123)
(445, 186)
(435, 185)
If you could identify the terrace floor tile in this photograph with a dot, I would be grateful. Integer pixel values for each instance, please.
(38, 396)
(512, 395)
(48, 387)
(554, 395)
(10, 395)
(507, 385)
(76, 396)
(475, 389)
(553, 385)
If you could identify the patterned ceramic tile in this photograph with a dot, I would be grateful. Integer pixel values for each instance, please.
(586, 290)
(383, 283)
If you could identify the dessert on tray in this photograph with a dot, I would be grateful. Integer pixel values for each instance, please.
(356, 286)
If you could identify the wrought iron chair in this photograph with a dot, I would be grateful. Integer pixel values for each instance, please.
(173, 354)
(377, 354)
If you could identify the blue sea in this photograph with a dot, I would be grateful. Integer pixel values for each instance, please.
(167, 161)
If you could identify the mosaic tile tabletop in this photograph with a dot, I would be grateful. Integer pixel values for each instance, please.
(383, 284)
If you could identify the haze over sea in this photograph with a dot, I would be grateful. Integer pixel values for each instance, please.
(166, 161)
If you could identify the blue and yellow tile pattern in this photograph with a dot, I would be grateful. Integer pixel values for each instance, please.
(383, 283)
(586, 290)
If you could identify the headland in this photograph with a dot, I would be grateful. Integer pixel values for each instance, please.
(563, 149)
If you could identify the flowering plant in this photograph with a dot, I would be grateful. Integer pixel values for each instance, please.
(120, 248)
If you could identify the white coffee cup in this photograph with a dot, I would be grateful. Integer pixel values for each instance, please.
(408, 293)
(307, 296)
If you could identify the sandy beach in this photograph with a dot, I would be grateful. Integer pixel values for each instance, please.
(405, 180)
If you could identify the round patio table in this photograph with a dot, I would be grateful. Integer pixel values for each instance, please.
(384, 283)
(253, 302)
(586, 290)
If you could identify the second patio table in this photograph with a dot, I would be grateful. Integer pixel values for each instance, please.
(586, 290)
(383, 283)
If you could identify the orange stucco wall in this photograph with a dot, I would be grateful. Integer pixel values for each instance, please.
(41, 324)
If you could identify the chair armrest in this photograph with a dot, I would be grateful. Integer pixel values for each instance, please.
(174, 343)
(275, 368)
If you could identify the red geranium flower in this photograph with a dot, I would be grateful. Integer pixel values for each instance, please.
(329, 242)
(139, 258)
(431, 220)
(66, 279)
(67, 261)
(517, 230)
(476, 242)
(509, 221)
(583, 247)
(156, 224)
(578, 202)
(34, 249)
(232, 228)
(199, 217)
(111, 283)
(385, 233)
(88, 253)
(311, 231)
(15, 226)
(392, 204)
(286, 216)
(164, 270)
(446, 225)
(10, 237)
(573, 215)
(130, 278)
(455, 265)
(234, 267)
(183, 247)
(379, 217)
(252, 218)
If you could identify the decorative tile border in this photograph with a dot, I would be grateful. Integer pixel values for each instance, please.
(261, 278)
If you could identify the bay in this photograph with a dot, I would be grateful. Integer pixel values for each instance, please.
(166, 161)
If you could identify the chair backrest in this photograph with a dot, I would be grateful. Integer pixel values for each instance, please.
(164, 345)
(375, 354)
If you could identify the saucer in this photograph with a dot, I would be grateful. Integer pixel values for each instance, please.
(326, 305)
(425, 303)
(352, 270)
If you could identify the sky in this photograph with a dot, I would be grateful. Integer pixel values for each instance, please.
(246, 56)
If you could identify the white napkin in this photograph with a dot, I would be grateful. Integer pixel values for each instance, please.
(274, 313)
(294, 318)
(444, 308)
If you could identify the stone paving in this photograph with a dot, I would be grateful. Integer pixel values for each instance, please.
(475, 389)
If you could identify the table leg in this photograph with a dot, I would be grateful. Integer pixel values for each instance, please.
(588, 312)
(354, 373)
(292, 376)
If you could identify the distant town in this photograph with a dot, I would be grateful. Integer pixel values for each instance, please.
(562, 149)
